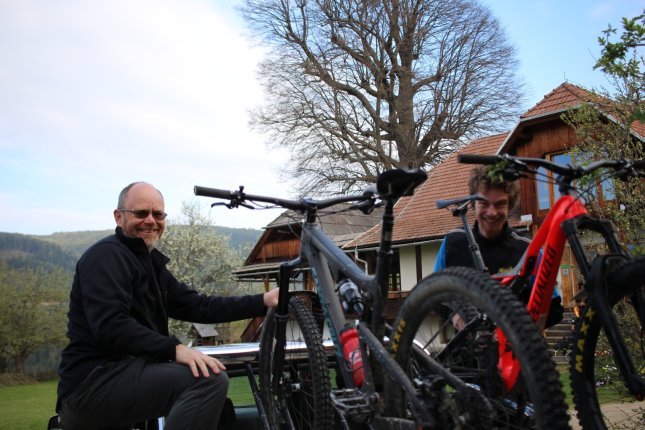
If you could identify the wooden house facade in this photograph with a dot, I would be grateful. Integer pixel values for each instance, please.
(280, 242)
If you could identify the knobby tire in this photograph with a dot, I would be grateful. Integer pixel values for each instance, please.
(303, 395)
(481, 400)
(600, 397)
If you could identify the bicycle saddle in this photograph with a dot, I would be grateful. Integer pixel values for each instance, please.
(399, 182)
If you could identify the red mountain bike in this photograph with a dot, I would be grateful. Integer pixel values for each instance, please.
(614, 289)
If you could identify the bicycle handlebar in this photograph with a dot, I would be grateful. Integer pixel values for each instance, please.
(521, 164)
(213, 192)
(477, 159)
(239, 197)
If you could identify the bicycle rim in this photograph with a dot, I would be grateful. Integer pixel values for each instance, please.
(600, 396)
(301, 399)
(479, 398)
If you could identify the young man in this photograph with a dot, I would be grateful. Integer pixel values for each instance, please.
(501, 247)
(121, 366)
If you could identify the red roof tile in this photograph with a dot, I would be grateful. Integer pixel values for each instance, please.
(561, 98)
(416, 217)
(566, 96)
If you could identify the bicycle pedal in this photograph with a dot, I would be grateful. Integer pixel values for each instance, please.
(354, 404)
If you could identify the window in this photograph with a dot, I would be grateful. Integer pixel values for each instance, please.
(394, 281)
(547, 192)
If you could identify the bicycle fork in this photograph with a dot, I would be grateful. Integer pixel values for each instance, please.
(598, 299)
(280, 334)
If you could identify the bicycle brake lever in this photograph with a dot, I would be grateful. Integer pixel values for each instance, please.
(366, 206)
(233, 204)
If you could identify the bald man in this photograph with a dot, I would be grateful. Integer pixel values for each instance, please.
(121, 365)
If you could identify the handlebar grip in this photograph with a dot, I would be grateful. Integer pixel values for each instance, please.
(477, 159)
(639, 164)
(213, 192)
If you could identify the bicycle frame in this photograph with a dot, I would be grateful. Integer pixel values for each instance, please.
(561, 225)
(328, 264)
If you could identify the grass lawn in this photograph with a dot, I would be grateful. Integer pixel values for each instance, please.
(27, 407)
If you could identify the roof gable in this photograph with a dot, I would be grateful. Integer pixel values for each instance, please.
(562, 98)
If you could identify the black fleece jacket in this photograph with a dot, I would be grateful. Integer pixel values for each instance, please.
(120, 302)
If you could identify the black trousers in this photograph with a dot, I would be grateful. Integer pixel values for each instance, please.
(134, 390)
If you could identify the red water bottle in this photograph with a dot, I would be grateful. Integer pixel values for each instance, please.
(352, 353)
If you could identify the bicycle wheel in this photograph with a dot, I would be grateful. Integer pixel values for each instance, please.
(301, 399)
(456, 369)
(599, 392)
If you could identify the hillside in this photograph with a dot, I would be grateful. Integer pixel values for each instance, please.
(77, 242)
(63, 249)
(23, 251)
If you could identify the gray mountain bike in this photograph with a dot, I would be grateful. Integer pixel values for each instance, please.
(377, 386)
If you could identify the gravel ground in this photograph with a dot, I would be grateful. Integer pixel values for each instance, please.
(618, 410)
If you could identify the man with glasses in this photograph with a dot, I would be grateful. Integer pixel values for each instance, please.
(121, 366)
(501, 247)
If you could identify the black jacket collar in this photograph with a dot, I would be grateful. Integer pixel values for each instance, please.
(506, 231)
(138, 247)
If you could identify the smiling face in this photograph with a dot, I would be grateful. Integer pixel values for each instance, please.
(146, 198)
(492, 212)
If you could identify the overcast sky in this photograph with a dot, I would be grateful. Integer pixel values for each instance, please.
(97, 94)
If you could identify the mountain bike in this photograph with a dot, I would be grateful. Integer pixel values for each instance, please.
(349, 305)
(613, 289)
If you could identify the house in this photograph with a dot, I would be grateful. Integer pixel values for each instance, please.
(540, 133)
(280, 242)
(205, 335)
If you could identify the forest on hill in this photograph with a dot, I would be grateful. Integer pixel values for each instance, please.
(62, 250)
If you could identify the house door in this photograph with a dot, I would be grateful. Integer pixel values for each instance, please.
(568, 277)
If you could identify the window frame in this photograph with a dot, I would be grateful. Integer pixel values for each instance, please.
(600, 189)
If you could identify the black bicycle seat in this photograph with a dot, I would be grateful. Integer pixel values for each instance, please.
(399, 182)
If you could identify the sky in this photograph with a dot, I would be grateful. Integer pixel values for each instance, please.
(97, 94)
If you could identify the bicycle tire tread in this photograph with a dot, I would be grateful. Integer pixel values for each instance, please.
(485, 293)
(323, 409)
(622, 280)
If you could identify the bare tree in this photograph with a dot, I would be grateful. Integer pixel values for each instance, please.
(354, 87)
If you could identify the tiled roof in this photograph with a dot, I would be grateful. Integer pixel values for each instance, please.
(566, 96)
(339, 224)
(416, 217)
(206, 330)
(560, 99)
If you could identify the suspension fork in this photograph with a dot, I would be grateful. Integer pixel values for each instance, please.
(281, 319)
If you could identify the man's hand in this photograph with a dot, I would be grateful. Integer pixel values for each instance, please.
(271, 298)
(197, 361)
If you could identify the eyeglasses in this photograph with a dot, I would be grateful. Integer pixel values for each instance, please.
(143, 214)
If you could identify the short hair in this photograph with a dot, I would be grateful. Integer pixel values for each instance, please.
(479, 177)
(124, 194)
